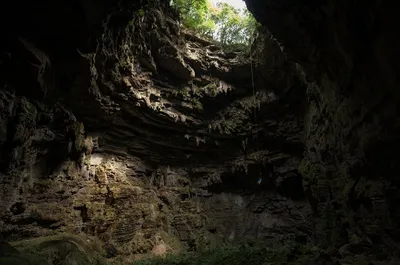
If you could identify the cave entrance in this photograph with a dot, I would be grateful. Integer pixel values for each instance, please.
(226, 23)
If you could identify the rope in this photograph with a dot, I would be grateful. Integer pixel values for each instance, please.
(254, 93)
(255, 109)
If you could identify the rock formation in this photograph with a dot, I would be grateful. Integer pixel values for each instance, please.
(118, 125)
(148, 139)
(348, 53)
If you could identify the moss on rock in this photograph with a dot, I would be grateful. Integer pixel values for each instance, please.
(79, 132)
(309, 173)
(28, 112)
(242, 255)
(59, 249)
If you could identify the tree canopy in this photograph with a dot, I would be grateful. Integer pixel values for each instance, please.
(229, 26)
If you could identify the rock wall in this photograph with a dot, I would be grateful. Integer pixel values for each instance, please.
(116, 123)
(151, 139)
(348, 53)
(134, 209)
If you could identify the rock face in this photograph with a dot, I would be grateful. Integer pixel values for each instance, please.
(61, 249)
(349, 57)
(116, 123)
(146, 136)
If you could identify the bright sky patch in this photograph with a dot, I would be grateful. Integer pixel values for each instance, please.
(239, 4)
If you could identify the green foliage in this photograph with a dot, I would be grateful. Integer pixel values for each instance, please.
(231, 27)
(236, 119)
(195, 15)
(140, 13)
(243, 255)
(70, 249)
(189, 98)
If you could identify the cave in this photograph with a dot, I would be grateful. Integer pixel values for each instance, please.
(125, 136)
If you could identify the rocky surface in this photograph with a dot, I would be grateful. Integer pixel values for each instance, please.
(349, 56)
(145, 136)
(120, 125)
(61, 249)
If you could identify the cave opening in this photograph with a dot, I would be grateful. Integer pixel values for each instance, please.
(227, 23)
